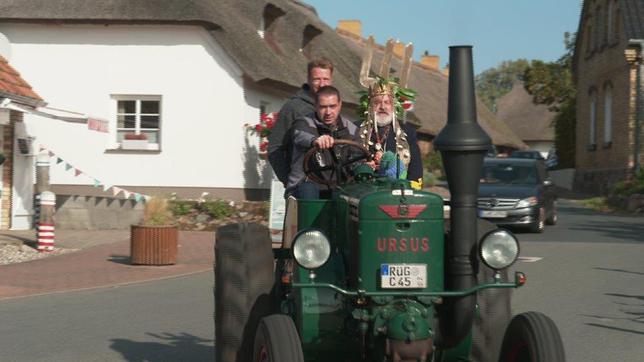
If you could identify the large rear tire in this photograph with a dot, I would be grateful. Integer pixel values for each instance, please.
(243, 283)
(277, 340)
(532, 337)
(494, 309)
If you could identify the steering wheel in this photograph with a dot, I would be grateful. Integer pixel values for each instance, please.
(337, 166)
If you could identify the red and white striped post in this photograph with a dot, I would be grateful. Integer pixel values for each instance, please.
(46, 224)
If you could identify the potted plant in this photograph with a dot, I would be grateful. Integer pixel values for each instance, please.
(134, 141)
(155, 240)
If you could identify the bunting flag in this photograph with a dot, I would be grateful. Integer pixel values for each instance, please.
(98, 125)
(97, 183)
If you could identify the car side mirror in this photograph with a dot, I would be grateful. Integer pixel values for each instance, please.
(547, 182)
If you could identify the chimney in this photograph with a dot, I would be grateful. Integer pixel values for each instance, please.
(399, 49)
(446, 70)
(430, 61)
(353, 28)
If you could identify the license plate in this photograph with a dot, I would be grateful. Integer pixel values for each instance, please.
(403, 276)
(494, 214)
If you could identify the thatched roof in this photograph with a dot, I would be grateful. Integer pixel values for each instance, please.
(12, 85)
(233, 23)
(431, 105)
(530, 121)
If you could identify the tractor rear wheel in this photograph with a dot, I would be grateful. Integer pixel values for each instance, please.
(494, 309)
(532, 337)
(243, 284)
(277, 340)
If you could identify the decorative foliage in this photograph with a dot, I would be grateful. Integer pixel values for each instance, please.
(157, 212)
(404, 98)
(263, 130)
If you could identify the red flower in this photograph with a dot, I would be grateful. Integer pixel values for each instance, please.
(263, 146)
(270, 123)
(258, 127)
(407, 106)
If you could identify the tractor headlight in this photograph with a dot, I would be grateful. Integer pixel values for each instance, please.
(530, 201)
(311, 249)
(499, 249)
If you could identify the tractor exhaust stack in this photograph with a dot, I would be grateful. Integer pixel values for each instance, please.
(463, 144)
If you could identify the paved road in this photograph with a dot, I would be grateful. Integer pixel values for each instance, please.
(590, 281)
(167, 320)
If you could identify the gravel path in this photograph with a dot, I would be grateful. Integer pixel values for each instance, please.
(15, 253)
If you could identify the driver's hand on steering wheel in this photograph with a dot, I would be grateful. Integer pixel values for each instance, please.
(324, 142)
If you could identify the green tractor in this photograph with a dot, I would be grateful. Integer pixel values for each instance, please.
(377, 273)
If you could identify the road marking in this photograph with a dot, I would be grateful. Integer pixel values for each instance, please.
(530, 259)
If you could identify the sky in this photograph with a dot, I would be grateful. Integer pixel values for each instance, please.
(498, 30)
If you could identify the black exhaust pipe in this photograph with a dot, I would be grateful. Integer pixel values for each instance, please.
(463, 144)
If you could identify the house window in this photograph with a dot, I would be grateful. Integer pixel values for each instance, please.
(608, 115)
(138, 118)
(593, 120)
(308, 40)
(268, 21)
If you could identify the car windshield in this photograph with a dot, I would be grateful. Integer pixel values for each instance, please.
(509, 174)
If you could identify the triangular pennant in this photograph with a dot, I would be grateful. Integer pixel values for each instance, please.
(77, 172)
(59, 160)
(146, 197)
(137, 197)
(106, 187)
(116, 190)
(127, 194)
(51, 154)
(41, 148)
(68, 166)
(97, 183)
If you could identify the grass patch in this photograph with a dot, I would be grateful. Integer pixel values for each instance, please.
(598, 204)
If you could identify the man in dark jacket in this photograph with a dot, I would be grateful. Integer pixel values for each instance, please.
(319, 74)
(320, 129)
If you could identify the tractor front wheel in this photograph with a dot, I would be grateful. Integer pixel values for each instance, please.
(243, 286)
(532, 337)
(277, 340)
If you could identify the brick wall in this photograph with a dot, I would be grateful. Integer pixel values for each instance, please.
(600, 164)
(7, 170)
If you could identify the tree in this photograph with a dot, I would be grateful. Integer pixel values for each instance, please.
(494, 83)
(551, 83)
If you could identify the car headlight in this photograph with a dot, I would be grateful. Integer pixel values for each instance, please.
(530, 201)
(499, 249)
(311, 249)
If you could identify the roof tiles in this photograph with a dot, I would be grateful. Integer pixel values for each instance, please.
(11, 83)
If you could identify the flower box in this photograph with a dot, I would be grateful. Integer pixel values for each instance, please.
(134, 144)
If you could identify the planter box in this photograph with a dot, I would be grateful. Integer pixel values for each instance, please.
(153, 245)
(134, 144)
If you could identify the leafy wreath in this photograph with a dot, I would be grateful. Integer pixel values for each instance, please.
(404, 98)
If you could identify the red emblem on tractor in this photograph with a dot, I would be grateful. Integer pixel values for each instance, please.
(402, 211)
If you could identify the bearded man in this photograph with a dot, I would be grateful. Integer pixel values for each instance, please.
(393, 144)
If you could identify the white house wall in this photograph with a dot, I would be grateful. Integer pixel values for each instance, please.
(204, 108)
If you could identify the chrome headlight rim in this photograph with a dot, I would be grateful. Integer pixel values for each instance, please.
(527, 202)
(298, 238)
(482, 242)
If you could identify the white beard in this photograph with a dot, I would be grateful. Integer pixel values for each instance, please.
(383, 120)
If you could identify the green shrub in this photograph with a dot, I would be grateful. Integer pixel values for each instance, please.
(181, 207)
(630, 187)
(216, 208)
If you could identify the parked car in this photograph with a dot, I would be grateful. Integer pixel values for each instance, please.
(517, 193)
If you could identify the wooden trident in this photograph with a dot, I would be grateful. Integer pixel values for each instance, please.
(367, 81)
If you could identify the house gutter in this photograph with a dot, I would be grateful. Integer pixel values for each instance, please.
(638, 43)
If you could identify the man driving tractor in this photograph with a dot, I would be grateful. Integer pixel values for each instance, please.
(320, 129)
